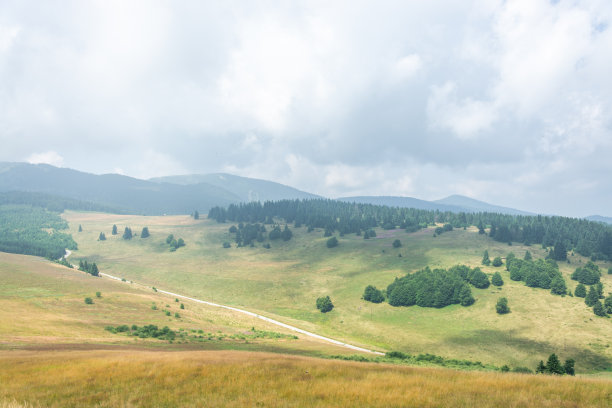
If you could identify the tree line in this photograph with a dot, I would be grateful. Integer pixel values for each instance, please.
(588, 238)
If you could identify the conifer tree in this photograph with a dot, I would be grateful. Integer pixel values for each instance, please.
(145, 233)
(569, 366)
(592, 297)
(485, 258)
(598, 309)
(580, 290)
(127, 234)
(114, 230)
(553, 365)
(102, 237)
(196, 215)
(528, 256)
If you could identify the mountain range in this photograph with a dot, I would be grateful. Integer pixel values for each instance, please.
(182, 194)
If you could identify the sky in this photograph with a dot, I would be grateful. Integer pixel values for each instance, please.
(508, 102)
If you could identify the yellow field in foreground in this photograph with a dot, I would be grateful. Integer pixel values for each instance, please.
(238, 379)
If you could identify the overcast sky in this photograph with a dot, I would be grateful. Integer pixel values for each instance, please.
(505, 101)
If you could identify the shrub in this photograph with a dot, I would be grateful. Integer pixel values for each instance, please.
(497, 279)
(182, 306)
(371, 294)
(502, 306)
(397, 243)
(479, 279)
(324, 304)
(98, 294)
(332, 242)
(168, 313)
(580, 290)
(497, 261)
(177, 315)
(88, 301)
(557, 286)
(397, 354)
(227, 245)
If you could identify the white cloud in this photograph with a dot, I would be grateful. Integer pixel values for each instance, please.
(465, 117)
(49, 157)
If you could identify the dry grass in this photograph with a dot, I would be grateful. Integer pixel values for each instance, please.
(239, 379)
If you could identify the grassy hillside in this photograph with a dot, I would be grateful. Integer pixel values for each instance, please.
(284, 281)
(43, 308)
(238, 379)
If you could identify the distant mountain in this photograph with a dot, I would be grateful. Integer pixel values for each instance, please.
(472, 205)
(454, 203)
(600, 218)
(246, 189)
(126, 194)
(403, 202)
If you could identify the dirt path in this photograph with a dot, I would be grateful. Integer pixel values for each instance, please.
(267, 319)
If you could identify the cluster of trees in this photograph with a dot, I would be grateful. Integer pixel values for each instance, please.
(437, 288)
(441, 230)
(585, 237)
(324, 304)
(537, 274)
(367, 234)
(90, 268)
(25, 230)
(554, 366)
(590, 275)
(102, 237)
(174, 243)
(371, 294)
(246, 234)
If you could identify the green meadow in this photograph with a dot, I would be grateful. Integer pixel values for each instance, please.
(284, 281)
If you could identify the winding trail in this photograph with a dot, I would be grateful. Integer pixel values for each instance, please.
(267, 319)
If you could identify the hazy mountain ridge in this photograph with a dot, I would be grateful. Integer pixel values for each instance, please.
(599, 218)
(246, 188)
(472, 205)
(114, 190)
(453, 203)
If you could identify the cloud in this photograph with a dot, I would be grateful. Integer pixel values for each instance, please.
(411, 98)
(50, 157)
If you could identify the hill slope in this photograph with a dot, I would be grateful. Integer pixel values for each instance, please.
(127, 194)
(247, 189)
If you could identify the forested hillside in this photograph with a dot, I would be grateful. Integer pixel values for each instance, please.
(33, 231)
(585, 237)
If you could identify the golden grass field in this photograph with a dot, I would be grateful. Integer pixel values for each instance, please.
(283, 283)
(246, 379)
